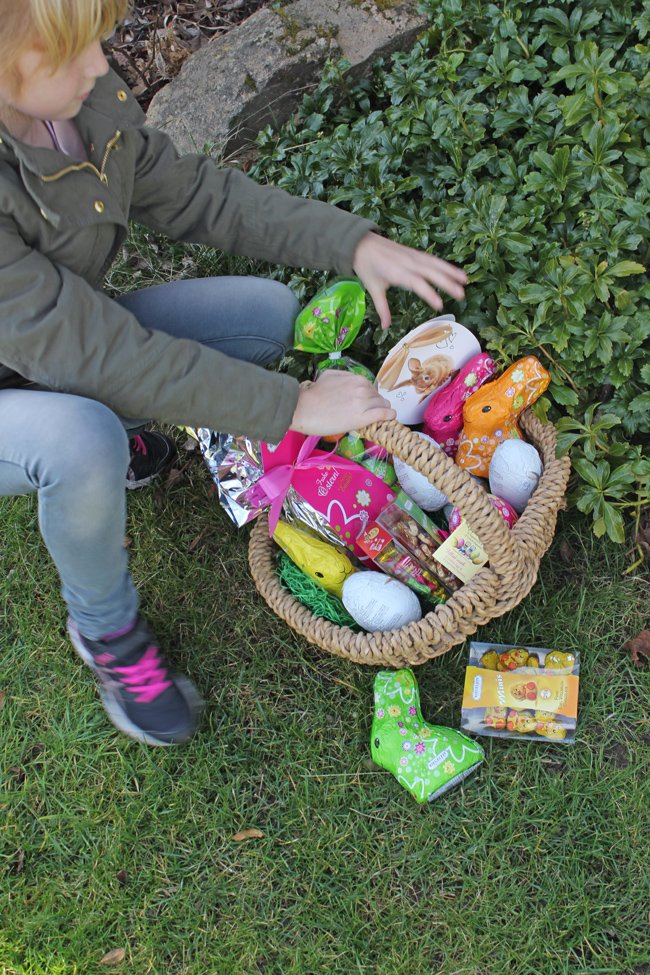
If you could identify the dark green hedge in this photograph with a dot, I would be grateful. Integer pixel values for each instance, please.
(514, 141)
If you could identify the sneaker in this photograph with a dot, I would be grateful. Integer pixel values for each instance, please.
(151, 454)
(142, 697)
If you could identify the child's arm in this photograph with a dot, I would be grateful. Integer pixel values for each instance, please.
(60, 332)
(339, 401)
(189, 198)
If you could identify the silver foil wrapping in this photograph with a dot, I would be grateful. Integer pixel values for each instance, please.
(235, 464)
(296, 510)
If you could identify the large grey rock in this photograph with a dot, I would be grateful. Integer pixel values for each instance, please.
(259, 71)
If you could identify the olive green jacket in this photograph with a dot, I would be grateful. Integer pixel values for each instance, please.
(62, 221)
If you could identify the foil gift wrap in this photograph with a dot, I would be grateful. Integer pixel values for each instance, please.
(235, 464)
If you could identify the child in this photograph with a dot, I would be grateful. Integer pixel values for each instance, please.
(81, 372)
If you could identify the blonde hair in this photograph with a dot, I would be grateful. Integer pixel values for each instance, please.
(61, 28)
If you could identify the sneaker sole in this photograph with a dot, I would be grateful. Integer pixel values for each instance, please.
(134, 485)
(116, 713)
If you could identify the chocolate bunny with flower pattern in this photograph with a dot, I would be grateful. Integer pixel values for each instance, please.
(490, 415)
(443, 417)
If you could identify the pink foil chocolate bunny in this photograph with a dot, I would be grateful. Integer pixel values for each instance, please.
(443, 417)
(490, 415)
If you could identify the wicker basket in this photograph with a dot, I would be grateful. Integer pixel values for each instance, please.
(514, 556)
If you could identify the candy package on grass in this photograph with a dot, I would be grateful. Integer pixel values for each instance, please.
(427, 760)
(331, 322)
(521, 692)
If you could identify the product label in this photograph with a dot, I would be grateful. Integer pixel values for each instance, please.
(462, 553)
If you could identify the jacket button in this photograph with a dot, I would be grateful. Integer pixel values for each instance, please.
(43, 214)
(1, 142)
(99, 206)
(122, 95)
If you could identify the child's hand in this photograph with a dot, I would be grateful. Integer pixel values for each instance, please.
(338, 402)
(380, 263)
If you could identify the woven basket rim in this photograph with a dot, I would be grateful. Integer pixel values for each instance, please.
(514, 555)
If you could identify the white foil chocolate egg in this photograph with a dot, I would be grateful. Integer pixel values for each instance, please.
(515, 469)
(378, 602)
(417, 486)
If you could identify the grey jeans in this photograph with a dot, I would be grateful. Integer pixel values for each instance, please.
(74, 451)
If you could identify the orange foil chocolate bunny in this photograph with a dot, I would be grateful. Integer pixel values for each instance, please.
(490, 414)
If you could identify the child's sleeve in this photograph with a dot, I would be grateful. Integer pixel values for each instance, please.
(189, 198)
(60, 332)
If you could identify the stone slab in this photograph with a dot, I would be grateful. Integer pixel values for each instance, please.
(258, 72)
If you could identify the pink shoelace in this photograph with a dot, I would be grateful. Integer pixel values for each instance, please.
(139, 446)
(147, 679)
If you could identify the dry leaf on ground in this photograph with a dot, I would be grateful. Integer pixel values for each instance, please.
(638, 647)
(113, 957)
(248, 834)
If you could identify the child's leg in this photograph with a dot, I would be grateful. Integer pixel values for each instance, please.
(243, 317)
(74, 453)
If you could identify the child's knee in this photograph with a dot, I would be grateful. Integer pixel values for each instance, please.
(93, 444)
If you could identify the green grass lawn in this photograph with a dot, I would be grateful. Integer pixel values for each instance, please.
(538, 865)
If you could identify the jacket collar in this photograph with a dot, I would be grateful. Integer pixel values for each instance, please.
(110, 106)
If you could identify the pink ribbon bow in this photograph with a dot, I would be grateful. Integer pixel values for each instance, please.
(275, 484)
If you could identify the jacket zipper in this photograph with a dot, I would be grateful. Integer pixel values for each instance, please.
(101, 174)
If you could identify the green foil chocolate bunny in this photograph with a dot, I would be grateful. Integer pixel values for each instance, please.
(426, 759)
(331, 322)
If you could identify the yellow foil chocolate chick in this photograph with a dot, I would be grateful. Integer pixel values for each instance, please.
(557, 660)
(325, 564)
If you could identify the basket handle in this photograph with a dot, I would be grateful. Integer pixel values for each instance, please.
(453, 481)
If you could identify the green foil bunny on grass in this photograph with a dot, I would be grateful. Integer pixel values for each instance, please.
(426, 759)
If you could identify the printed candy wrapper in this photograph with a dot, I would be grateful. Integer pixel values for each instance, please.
(235, 464)
(422, 362)
(343, 494)
(522, 692)
(331, 322)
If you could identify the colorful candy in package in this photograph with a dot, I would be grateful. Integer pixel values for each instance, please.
(395, 560)
(415, 530)
(521, 692)
(331, 322)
